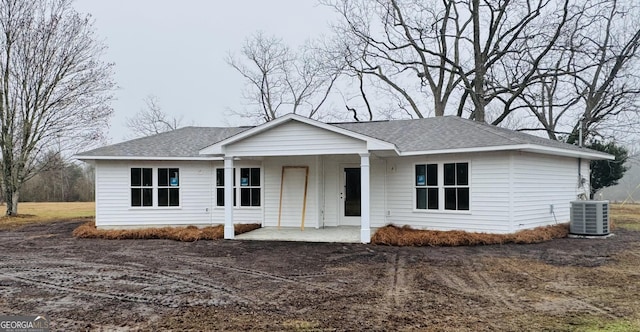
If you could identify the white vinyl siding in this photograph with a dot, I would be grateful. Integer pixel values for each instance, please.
(113, 196)
(295, 139)
(540, 181)
(489, 194)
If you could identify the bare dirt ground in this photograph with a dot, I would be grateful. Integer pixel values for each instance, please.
(122, 285)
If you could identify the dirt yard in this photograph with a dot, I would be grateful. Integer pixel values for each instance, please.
(121, 285)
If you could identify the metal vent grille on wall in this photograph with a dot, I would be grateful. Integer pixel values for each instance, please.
(589, 218)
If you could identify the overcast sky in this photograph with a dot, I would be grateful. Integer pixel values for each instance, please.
(175, 50)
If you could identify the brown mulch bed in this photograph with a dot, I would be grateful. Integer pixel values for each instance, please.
(186, 234)
(407, 236)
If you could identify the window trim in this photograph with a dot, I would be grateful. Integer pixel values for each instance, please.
(441, 187)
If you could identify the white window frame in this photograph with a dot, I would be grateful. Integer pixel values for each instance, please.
(169, 187)
(441, 187)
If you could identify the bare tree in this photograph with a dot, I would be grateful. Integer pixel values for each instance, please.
(152, 120)
(591, 84)
(450, 52)
(280, 80)
(54, 89)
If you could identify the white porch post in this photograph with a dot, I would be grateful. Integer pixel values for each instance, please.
(365, 215)
(228, 198)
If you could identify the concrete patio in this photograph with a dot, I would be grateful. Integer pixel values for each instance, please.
(341, 234)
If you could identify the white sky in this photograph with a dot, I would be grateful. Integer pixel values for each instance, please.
(175, 50)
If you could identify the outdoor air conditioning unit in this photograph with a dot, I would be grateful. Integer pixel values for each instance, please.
(589, 218)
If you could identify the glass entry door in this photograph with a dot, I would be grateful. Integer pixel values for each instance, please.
(351, 192)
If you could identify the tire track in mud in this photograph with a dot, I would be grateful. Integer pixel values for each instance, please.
(565, 297)
(270, 276)
(481, 283)
(277, 278)
(160, 287)
(477, 282)
(398, 284)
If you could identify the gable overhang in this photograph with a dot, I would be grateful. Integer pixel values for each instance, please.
(371, 144)
(532, 148)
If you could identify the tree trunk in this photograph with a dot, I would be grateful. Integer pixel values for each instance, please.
(12, 202)
(480, 70)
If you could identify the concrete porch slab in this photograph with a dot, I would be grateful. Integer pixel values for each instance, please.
(341, 234)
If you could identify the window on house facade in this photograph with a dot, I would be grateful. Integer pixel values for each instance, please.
(141, 187)
(453, 192)
(250, 186)
(220, 187)
(456, 186)
(426, 185)
(168, 187)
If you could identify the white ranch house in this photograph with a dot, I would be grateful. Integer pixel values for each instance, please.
(443, 173)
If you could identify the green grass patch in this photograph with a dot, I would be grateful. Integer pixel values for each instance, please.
(619, 325)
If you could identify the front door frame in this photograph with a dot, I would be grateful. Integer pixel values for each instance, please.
(342, 219)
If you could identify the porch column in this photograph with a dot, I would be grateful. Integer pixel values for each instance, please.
(228, 198)
(365, 215)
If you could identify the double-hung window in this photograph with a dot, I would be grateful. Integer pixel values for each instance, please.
(456, 186)
(220, 187)
(426, 185)
(168, 187)
(141, 187)
(439, 186)
(250, 186)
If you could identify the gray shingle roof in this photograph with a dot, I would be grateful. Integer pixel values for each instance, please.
(448, 132)
(184, 142)
(439, 133)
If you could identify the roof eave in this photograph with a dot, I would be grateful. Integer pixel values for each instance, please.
(535, 148)
(158, 158)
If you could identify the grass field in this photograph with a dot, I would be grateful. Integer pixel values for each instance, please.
(29, 213)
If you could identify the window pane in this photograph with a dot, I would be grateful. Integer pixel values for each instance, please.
(163, 177)
(421, 175)
(136, 177)
(449, 174)
(220, 197)
(432, 175)
(174, 177)
(220, 177)
(136, 199)
(421, 198)
(147, 197)
(163, 197)
(463, 198)
(147, 176)
(244, 177)
(462, 175)
(255, 196)
(245, 197)
(174, 197)
(432, 199)
(450, 198)
(255, 177)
